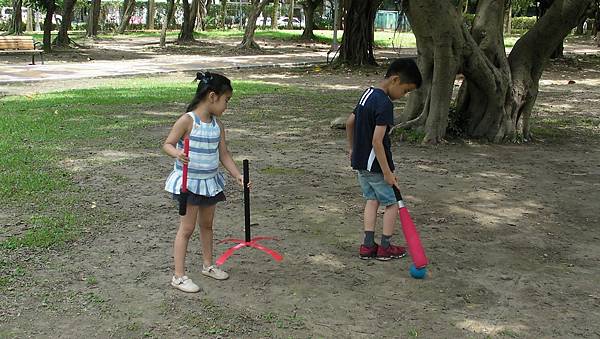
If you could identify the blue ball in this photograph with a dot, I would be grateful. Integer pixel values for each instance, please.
(417, 273)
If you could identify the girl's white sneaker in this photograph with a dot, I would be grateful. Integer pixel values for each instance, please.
(214, 272)
(184, 284)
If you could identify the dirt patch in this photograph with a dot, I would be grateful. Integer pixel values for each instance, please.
(510, 231)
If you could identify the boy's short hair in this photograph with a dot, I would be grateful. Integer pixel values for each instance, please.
(407, 70)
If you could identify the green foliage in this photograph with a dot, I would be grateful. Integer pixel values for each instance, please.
(520, 6)
(524, 23)
(469, 19)
(457, 124)
(413, 136)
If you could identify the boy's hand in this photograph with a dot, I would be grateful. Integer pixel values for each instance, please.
(390, 179)
(182, 157)
(240, 181)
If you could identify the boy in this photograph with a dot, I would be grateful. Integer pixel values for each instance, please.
(369, 146)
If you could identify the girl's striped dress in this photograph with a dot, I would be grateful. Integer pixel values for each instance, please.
(204, 177)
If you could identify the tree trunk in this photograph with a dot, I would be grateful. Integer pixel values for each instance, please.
(290, 24)
(508, 19)
(128, 8)
(248, 41)
(440, 40)
(151, 14)
(62, 39)
(166, 20)
(16, 19)
(201, 14)
(498, 93)
(186, 34)
(223, 13)
(309, 18)
(275, 15)
(93, 19)
(29, 27)
(530, 55)
(50, 7)
(358, 39)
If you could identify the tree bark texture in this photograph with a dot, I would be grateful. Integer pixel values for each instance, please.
(30, 17)
(50, 7)
(498, 92)
(290, 24)
(223, 13)
(248, 40)
(275, 15)
(16, 20)
(309, 7)
(151, 14)
(166, 20)
(358, 39)
(186, 34)
(93, 19)
(128, 9)
(62, 39)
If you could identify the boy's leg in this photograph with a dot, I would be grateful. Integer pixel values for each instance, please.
(389, 223)
(368, 249)
(388, 251)
(186, 228)
(370, 220)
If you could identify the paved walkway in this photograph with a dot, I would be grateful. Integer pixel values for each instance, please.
(51, 71)
(160, 64)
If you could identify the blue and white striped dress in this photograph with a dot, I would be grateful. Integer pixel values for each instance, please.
(204, 177)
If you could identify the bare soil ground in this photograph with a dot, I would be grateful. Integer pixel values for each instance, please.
(511, 230)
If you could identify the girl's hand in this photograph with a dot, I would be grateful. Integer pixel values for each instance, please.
(240, 181)
(182, 157)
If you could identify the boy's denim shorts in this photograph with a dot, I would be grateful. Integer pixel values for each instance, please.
(374, 187)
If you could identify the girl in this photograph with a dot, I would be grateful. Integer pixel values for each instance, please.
(205, 182)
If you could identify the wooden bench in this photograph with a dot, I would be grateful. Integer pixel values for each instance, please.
(14, 44)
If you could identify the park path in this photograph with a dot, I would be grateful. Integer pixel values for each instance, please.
(160, 64)
(52, 71)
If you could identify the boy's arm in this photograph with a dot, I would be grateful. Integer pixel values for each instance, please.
(377, 142)
(350, 132)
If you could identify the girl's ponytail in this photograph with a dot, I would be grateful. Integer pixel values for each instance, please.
(209, 82)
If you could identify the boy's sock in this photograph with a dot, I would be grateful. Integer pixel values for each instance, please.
(385, 241)
(369, 238)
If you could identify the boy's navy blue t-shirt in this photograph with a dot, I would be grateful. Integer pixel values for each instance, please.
(373, 109)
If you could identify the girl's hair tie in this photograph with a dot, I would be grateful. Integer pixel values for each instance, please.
(204, 77)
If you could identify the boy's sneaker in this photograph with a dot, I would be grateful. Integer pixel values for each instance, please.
(184, 284)
(392, 252)
(214, 272)
(366, 252)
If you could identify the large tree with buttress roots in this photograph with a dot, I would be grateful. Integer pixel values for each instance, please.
(498, 92)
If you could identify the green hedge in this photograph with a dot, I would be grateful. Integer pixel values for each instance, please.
(523, 22)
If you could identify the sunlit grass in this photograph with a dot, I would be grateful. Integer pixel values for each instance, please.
(40, 131)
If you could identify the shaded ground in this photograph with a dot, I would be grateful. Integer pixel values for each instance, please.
(511, 230)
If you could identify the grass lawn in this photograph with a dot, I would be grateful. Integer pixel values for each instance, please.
(40, 133)
(384, 39)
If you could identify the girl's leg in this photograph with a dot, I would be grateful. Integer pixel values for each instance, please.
(205, 220)
(186, 228)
